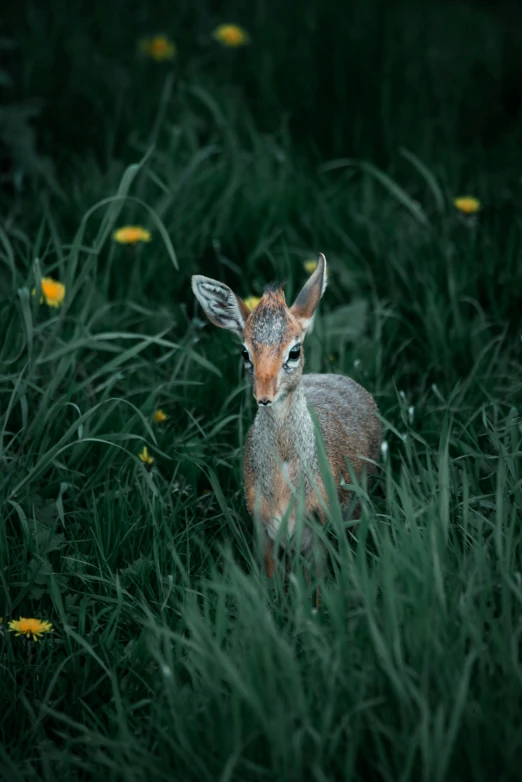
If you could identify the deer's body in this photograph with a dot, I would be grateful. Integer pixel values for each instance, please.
(281, 454)
(280, 450)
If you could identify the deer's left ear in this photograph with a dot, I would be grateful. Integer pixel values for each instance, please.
(306, 302)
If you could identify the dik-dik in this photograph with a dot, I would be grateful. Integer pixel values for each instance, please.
(280, 453)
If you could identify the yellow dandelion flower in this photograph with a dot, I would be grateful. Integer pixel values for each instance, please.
(159, 416)
(467, 205)
(231, 35)
(310, 266)
(53, 292)
(145, 457)
(131, 234)
(252, 302)
(30, 627)
(159, 48)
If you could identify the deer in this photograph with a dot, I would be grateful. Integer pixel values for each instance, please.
(280, 451)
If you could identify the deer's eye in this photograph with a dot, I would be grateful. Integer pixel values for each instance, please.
(245, 354)
(295, 353)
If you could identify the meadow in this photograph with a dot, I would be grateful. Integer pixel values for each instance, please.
(345, 130)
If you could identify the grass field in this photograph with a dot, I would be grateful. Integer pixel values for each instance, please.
(173, 657)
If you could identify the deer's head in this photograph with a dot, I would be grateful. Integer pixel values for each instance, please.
(272, 335)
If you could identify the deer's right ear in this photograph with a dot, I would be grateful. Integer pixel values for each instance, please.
(220, 304)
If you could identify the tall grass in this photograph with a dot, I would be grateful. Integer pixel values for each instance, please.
(173, 656)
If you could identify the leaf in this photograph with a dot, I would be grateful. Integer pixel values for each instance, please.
(45, 539)
(394, 189)
(345, 324)
(427, 175)
(140, 569)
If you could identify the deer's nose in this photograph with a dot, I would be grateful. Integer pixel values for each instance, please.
(264, 401)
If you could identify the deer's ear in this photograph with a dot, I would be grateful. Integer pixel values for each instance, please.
(306, 302)
(220, 304)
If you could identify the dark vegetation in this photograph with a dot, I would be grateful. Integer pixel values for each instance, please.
(342, 128)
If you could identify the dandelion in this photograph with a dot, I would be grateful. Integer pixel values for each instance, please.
(181, 488)
(231, 35)
(145, 457)
(252, 302)
(159, 416)
(467, 205)
(310, 266)
(159, 48)
(30, 627)
(53, 292)
(131, 234)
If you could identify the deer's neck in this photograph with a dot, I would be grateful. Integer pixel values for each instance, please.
(285, 431)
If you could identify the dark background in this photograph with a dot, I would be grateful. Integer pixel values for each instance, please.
(345, 78)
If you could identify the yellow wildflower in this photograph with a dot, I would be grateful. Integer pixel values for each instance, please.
(231, 35)
(30, 627)
(145, 457)
(159, 416)
(310, 266)
(159, 48)
(467, 205)
(131, 234)
(252, 302)
(53, 292)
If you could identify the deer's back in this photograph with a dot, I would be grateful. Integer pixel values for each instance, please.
(347, 416)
